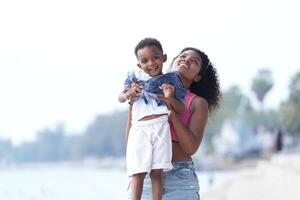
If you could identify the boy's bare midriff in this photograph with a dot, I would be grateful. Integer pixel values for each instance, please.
(151, 117)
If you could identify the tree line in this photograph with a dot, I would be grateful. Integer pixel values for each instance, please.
(105, 136)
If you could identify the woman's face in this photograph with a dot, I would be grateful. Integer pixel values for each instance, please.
(188, 64)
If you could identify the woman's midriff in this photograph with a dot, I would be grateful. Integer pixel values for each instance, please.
(178, 153)
(151, 117)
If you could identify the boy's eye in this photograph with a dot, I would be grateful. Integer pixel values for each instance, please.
(143, 61)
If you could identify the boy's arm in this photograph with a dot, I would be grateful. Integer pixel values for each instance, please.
(128, 123)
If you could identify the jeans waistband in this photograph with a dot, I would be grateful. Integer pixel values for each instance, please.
(183, 165)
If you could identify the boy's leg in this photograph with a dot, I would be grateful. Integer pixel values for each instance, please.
(157, 183)
(137, 183)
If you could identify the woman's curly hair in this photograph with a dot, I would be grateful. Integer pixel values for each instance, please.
(208, 87)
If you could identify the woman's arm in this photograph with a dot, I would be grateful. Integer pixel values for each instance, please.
(131, 93)
(176, 105)
(123, 97)
(128, 122)
(190, 137)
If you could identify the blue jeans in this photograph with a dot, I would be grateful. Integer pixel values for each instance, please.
(181, 183)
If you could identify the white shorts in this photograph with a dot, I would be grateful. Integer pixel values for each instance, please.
(149, 146)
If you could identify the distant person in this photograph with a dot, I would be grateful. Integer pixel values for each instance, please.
(279, 141)
(152, 94)
(200, 79)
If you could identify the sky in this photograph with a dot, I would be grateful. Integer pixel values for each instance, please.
(64, 61)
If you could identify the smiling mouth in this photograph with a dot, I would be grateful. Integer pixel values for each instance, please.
(153, 69)
(182, 65)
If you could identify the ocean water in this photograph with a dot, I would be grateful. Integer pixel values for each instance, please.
(69, 183)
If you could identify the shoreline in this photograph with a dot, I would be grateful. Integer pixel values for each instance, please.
(94, 163)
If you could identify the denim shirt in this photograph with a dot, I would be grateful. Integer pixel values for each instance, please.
(151, 86)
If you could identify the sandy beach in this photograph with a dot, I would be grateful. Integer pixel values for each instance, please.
(274, 179)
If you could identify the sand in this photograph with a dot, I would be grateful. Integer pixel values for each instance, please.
(276, 179)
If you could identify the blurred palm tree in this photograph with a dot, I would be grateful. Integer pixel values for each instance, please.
(290, 108)
(262, 83)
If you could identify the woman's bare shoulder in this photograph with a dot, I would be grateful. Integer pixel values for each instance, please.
(199, 103)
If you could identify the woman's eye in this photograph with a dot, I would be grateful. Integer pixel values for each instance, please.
(195, 61)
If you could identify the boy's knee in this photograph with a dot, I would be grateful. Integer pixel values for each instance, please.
(156, 172)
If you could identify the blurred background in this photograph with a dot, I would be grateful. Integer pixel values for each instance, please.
(62, 66)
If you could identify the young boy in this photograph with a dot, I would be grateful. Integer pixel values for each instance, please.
(150, 92)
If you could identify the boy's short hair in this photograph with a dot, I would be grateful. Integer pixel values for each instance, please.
(148, 42)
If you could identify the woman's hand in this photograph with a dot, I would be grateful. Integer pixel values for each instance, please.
(168, 91)
(168, 96)
(131, 94)
(134, 92)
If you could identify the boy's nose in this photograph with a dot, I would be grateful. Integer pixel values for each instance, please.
(151, 62)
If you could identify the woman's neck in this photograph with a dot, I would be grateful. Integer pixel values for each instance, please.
(186, 83)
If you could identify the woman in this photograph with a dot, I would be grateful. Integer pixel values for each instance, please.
(199, 77)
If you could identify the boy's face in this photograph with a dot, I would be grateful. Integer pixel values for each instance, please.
(151, 60)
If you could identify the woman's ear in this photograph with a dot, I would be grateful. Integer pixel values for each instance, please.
(165, 57)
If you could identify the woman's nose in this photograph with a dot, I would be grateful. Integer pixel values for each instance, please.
(182, 59)
(186, 59)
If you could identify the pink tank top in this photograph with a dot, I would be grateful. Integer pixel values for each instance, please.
(185, 116)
